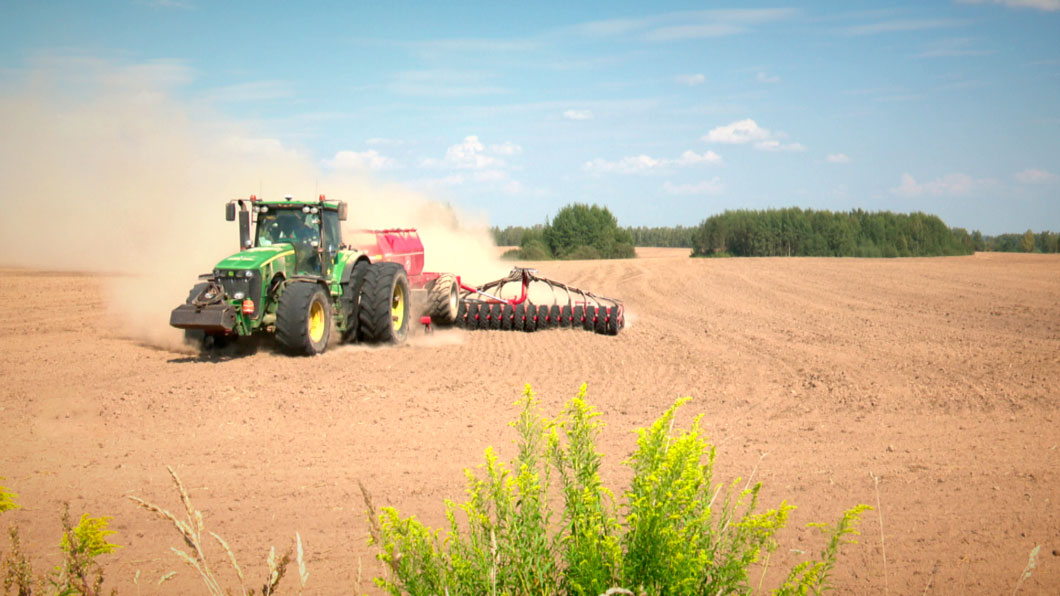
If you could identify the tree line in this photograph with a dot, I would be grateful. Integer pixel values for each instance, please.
(810, 233)
(772, 232)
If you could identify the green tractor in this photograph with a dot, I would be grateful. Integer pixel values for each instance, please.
(295, 277)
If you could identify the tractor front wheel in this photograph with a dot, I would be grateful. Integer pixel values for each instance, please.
(303, 318)
(385, 309)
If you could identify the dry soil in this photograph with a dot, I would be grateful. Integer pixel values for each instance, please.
(939, 377)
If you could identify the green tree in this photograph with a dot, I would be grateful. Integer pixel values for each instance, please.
(1027, 242)
(577, 226)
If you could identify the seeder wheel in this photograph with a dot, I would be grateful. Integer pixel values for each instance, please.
(520, 315)
(589, 322)
(530, 323)
(507, 311)
(495, 316)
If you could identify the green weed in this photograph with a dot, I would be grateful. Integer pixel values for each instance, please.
(670, 536)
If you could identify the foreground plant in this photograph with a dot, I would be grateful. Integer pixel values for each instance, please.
(192, 528)
(79, 573)
(674, 536)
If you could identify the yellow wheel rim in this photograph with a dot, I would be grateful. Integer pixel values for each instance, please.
(397, 307)
(316, 321)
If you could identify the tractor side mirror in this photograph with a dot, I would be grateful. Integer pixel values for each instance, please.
(230, 211)
(342, 211)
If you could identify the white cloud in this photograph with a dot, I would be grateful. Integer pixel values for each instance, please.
(691, 79)
(637, 164)
(767, 78)
(748, 131)
(443, 83)
(384, 142)
(1035, 176)
(253, 91)
(472, 154)
(360, 160)
(680, 32)
(957, 184)
(708, 187)
(895, 26)
(1045, 5)
(954, 47)
(743, 131)
(775, 145)
(578, 115)
(690, 157)
(837, 158)
(492, 179)
(646, 164)
(682, 25)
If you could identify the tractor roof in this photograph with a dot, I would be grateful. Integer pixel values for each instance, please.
(295, 203)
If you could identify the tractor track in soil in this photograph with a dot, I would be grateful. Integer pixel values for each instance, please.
(939, 376)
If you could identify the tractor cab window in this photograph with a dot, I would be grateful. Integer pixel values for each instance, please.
(332, 231)
(292, 226)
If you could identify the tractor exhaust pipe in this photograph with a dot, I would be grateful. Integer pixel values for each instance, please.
(244, 221)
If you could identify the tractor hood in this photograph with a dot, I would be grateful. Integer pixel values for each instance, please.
(256, 258)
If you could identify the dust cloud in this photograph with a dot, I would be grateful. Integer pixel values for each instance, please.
(105, 170)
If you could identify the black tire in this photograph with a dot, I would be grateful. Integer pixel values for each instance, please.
(579, 314)
(495, 316)
(443, 300)
(351, 292)
(507, 313)
(613, 324)
(590, 318)
(565, 316)
(386, 312)
(483, 316)
(519, 318)
(303, 318)
(461, 314)
(553, 316)
(530, 323)
(194, 293)
(601, 319)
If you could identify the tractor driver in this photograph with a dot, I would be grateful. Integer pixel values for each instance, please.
(286, 227)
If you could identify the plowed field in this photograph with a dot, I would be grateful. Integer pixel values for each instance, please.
(941, 377)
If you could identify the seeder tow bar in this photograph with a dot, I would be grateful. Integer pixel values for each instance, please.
(485, 307)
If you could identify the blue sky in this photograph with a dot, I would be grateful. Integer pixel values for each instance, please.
(664, 112)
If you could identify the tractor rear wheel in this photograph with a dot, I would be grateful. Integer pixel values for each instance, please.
(443, 300)
(351, 291)
(303, 318)
(385, 312)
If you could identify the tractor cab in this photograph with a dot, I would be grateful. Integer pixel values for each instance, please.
(312, 229)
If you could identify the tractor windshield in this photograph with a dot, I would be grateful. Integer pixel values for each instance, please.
(278, 225)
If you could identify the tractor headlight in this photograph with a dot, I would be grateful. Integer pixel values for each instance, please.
(305, 209)
(238, 296)
(248, 273)
(264, 208)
